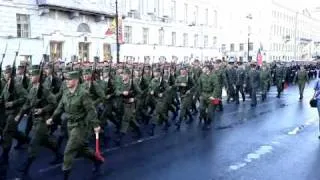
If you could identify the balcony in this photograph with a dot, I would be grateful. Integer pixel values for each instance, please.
(81, 6)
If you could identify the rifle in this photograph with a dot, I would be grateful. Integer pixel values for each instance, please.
(110, 88)
(162, 87)
(132, 88)
(3, 56)
(12, 78)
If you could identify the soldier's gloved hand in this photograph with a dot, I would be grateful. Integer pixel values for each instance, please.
(125, 93)
(37, 111)
(183, 84)
(211, 98)
(9, 104)
(188, 92)
(160, 95)
(49, 121)
(97, 129)
(152, 92)
(108, 96)
(17, 118)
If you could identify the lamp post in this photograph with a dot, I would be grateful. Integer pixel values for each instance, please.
(249, 17)
(117, 33)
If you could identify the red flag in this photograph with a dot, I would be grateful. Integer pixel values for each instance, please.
(259, 58)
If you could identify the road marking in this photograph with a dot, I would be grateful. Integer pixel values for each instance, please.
(262, 150)
(307, 123)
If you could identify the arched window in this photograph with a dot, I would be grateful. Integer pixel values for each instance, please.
(83, 27)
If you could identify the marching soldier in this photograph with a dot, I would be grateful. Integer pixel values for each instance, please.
(40, 103)
(280, 76)
(254, 81)
(209, 90)
(81, 117)
(162, 94)
(301, 78)
(13, 96)
(265, 78)
(127, 91)
(231, 81)
(240, 82)
(185, 85)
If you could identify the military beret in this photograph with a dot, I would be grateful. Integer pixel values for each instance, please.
(21, 67)
(8, 69)
(33, 67)
(157, 70)
(127, 71)
(218, 61)
(48, 66)
(66, 69)
(35, 72)
(87, 71)
(239, 62)
(73, 75)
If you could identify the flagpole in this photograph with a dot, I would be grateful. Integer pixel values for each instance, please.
(117, 33)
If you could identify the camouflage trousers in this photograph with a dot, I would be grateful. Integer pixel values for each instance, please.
(77, 144)
(11, 131)
(129, 118)
(40, 137)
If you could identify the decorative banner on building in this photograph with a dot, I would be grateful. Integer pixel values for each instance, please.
(112, 30)
(259, 58)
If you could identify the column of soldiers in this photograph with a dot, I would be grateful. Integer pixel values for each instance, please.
(82, 98)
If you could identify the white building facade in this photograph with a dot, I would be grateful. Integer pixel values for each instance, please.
(152, 29)
(277, 31)
(170, 29)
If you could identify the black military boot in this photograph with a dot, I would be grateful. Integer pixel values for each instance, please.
(138, 134)
(178, 124)
(66, 174)
(21, 142)
(166, 126)
(26, 166)
(151, 133)
(57, 159)
(4, 159)
(118, 140)
(190, 120)
(97, 165)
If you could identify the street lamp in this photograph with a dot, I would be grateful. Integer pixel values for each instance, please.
(117, 33)
(249, 16)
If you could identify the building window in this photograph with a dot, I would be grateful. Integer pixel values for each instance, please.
(250, 46)
(205, 41)
(106, 52)
(128, 34)
(231, 47)
(83, 51)
(195, 43)
(23, 25)
(215, 19)
(185, 39)
(161, 36)
(214, 42)
(173, 10)
(174, 38)
(206, 16)
(145, 35)
(55, 50)
(186, 13)
(196, 13)
(241, 47)
(223, 48)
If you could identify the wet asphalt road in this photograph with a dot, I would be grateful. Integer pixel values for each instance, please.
(278, 139)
